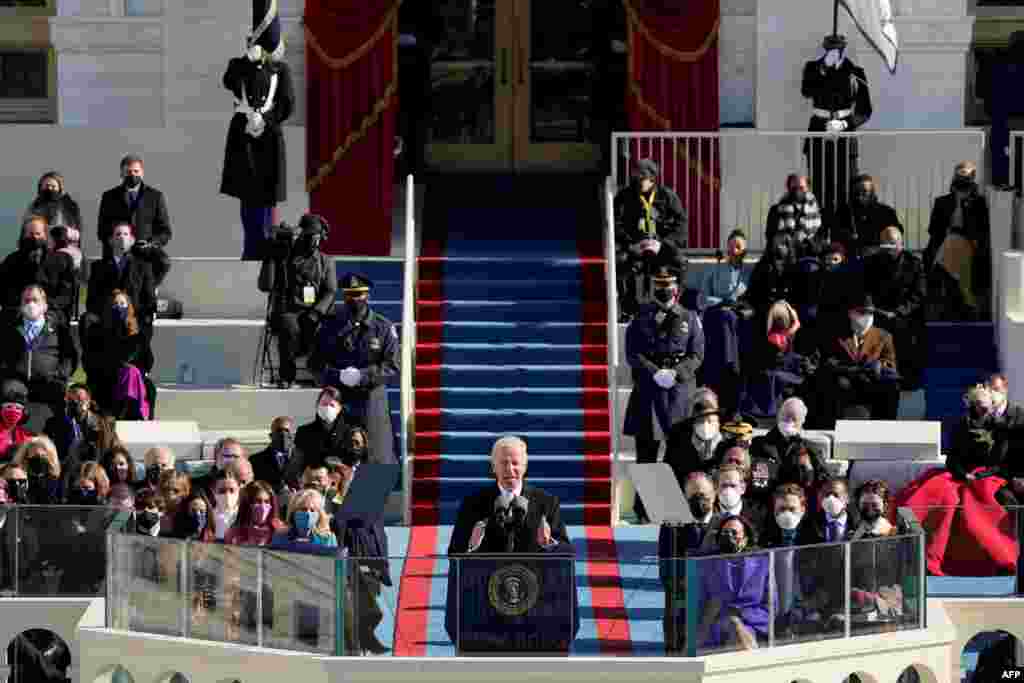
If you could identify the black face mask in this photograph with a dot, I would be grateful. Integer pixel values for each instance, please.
(307, 244)
(870, 514)
(963, 183)
(32, 244)
(664, 295)
(357, 307)
(354, 456)
(146, 520)
(132, 181)
(865, 198)
(282, 441)
(728, 545)
(83, 497)
(153, 474)
(798, 196)
(17, 491)
(700, 506)
(49, 195)
(77, 410)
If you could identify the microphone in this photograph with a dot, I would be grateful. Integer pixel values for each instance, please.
(518, 509)
(501, 510)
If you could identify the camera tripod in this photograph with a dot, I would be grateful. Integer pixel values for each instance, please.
(266, 371)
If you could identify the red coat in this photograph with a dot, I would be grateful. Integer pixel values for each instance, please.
(8, 445)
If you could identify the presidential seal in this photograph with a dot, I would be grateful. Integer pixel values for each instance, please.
(513, 590)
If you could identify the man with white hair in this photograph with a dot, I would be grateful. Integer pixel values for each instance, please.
(778, 452)
(513, 516)
(157, 460)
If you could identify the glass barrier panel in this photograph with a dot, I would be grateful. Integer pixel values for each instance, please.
(971, 550)
(62, 549)
(885, 585)
(208, 606)
(811, 593)
(510, 606)
(10, 572)
(303, 609)
(244, 597)
(730, 602)
(145, 582)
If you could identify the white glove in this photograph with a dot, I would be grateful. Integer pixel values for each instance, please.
(665, 378)
(256, 124)
(350, 377)
(254, 53)
(832, 58)
(836, 126)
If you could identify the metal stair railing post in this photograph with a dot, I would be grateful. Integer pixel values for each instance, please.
(613, 333)
(408, 347)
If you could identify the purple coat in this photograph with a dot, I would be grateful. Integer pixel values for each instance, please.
(748, 596)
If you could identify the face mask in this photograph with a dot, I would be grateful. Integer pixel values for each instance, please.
(730, 497)
(17, 491)
(260, 512)
(962, 183)
(49, 195)
(328, 413)
(226, 501)
(282, 442)
(665, 295)
(85, 497)
(32, 244)
(120, 312)
(706, 430)
(789, 428)
(132, 181)
(33, 311)
(354, 456)
(76, 409)
(121, 472)
(198, 521)
(304, 521)
(865, 198)
(153, 474)
(788, 520)
(862, 323)
(700, 506)
(11, 415)
(833, 505)
(124, 243)
(728, 544)
(147, 522)
(357, 307)
(998, 398)
(870, 510)
(799, 196)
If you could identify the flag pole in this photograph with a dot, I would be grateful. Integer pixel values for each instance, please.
(835, 17)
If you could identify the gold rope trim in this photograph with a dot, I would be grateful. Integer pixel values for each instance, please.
(664, 122)
(668, 51)
(349, 59)
(370, 120)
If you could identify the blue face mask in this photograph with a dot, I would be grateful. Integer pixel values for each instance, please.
(304, 520)
(199, 519)
(120, 313)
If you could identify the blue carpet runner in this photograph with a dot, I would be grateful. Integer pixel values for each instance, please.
(512, 338)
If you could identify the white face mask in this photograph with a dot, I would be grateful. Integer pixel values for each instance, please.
(833, 505)
(730, 497)
(226, 502)
(789, 428)
(788, 520)
(706, 431)
(998, 398)
(328, 413)
(33, 310)
(862, 323)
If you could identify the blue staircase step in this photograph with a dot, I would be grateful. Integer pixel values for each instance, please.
(511, 419)
(541, 443)
(527, 270)
(558, 466)
(512, 396)
(489, 331)
(571, 489)
(503, 289)
(504, 354)
(504, 375)
(376, 269)
(572, 512)
(506, 311)
(957, 377)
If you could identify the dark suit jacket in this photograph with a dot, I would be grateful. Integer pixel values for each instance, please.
(149, 216)
(816, 524)
(754, 513)
(314, 442)
(976, 228)
(265, 468)
(136, 278)
(480, 506)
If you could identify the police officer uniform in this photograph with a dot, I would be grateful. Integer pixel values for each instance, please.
(657, 215)
(664, 348)
(357, 352)
(302, 284)
(842, 103)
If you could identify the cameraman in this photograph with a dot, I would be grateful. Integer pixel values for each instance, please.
(302, 283)
(650, 232)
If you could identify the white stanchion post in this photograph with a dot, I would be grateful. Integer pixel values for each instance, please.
(613, 334)
(408, 351)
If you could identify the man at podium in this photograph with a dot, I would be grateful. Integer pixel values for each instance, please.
(511, 578)
(512, 517)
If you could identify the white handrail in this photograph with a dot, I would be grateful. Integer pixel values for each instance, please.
(613, 334)
(408, 351)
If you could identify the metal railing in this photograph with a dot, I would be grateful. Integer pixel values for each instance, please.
(730, 179)
(408, 345)
(1016, 154)
(613, 332)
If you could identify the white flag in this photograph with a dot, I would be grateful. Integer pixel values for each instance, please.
(874, 19)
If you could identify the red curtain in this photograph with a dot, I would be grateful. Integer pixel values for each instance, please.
(352, 97)
(672, 86)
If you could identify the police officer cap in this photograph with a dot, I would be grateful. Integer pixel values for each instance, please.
(354, 283)
(646, 168)
(666, 276)
(13, 391)
(312, 224)
(740, 425)
(834, 42)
